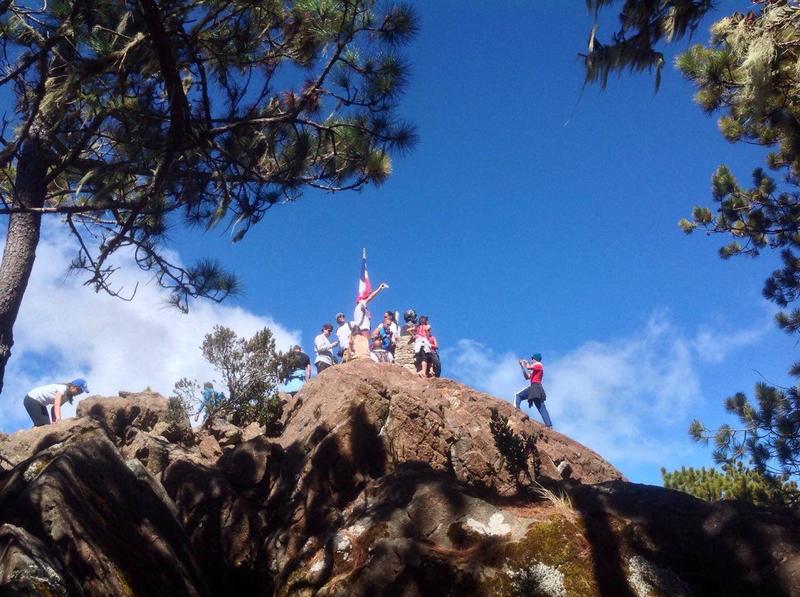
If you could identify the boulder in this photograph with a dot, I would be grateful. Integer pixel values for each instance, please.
(254, 430)
(19, 446)
(713, 548)
(142, 410)
(112, 531)
(209, 448)
(156, 453)
(386, 415)
(29, 568)
(253, 465)
(226, 433)
(381, 483)
(224, 529)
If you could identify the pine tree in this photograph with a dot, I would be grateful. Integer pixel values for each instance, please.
(734, 482)
(643, 25)
(133, 117)
(749, 72)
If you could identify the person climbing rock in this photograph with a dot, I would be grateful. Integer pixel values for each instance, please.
(54, 394)
(210, 402)
(534, 393)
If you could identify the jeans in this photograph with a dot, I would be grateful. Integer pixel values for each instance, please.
(37, 412)
(540, 406)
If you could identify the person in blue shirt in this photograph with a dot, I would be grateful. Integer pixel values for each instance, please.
(299, 371)
(210, 402)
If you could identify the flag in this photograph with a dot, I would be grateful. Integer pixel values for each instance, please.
(364, 287)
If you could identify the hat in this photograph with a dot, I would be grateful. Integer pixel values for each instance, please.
(338, 315)
(80, 384)
(536, 356)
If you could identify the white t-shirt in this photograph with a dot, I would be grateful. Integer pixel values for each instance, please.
(343, 333)
(46, 395)
(361, 316)
(322, 346)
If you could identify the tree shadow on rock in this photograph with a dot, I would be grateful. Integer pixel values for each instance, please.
(225, 531)
(110, 528)
(717, 548)
(519, 452)
(313, 491)
(606, 557)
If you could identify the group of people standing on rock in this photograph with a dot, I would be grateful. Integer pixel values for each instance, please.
(356, 339)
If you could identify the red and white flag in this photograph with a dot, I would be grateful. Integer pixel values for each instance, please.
(364, 287)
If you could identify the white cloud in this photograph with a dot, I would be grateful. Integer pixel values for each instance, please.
(712, 346)
(629, 398)
(65, 330)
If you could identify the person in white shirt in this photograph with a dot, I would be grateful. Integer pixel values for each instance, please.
(323, 348)
(54, 394)
(343, 334)
(361, 317)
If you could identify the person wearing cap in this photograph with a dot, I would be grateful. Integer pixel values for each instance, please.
(54, 394)
(534, 393)
(343, 334)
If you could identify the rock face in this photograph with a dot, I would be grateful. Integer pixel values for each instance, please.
(381, 483)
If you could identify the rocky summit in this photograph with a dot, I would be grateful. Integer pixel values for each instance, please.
(380, 483)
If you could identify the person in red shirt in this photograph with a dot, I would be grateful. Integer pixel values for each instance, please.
(534, 393)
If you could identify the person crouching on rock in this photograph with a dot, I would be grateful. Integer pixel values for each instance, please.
(54, 394)
(534, 393)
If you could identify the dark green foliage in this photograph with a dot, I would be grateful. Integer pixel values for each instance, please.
(517, 450)
(749, 73)
(249, 369)
(769, 432)
(643, 24)
(176, 410)
(734, 482)
(196, 112)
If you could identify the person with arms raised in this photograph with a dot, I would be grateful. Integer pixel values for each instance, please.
(534, 393)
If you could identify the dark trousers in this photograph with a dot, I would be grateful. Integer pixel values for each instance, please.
(37, 412)
(321, 367)
(435, 363)
(534, 393)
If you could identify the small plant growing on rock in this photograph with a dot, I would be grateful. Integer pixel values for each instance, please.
(517, 449)
(177, 411)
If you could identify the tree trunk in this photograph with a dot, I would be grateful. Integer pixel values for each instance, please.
(21, 241)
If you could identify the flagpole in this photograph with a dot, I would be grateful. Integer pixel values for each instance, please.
(364, 253)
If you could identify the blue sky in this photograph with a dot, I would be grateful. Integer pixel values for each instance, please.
(530, 217)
